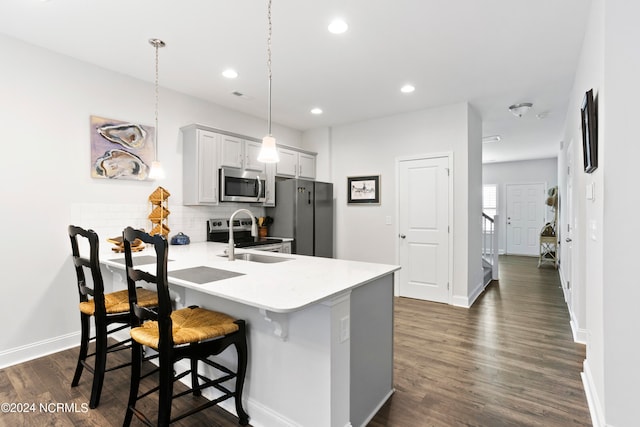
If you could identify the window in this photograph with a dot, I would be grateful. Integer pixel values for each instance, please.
(490, 200)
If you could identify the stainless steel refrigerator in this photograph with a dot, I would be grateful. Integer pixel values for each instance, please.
(304, 212)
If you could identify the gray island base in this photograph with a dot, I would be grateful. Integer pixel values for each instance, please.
(320, 331)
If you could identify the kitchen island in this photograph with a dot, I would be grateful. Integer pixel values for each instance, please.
(320, 331)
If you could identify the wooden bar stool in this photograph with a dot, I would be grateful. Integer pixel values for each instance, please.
(189, 333)
(106, 309)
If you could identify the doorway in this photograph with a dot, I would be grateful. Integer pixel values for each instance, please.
(567, 252)
(525, 218)
(424, 207)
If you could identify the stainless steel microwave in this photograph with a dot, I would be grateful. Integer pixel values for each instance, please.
(237, 185)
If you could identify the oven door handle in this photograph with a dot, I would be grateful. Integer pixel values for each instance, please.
(259, 181)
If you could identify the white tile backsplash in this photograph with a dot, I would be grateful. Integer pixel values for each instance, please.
(109, 219)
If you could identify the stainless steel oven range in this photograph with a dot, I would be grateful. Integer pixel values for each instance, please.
(218, 231)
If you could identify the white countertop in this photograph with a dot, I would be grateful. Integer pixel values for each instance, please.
(278, 287)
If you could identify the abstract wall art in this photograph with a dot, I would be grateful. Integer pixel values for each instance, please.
(121, 150)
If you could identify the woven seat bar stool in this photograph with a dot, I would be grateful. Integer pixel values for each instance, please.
(190, 333)
(106, 309)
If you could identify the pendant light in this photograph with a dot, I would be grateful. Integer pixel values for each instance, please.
(156, 172)
(268, 152)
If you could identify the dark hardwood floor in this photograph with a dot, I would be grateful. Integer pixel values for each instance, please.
(508, 361)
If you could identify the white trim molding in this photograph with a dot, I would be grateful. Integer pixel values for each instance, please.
(595, 408)
(24, 353)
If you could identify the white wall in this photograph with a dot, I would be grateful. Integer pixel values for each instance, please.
(616, 214)
(371, 148)
(607, 227)
(319, 141)
(475, 278)
(44, 112)
(585, 305)
(522, 172)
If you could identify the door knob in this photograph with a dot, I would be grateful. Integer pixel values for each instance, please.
(402, 236)
(568, 240)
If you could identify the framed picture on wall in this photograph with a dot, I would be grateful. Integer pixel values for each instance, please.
(121, 150)
(363, 190)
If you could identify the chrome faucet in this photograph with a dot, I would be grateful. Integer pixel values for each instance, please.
(254, 231)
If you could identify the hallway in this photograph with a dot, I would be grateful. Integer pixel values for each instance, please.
(509, 360)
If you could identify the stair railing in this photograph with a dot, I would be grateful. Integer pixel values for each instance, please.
(490, 243)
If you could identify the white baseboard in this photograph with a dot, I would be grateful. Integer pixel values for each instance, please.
(579, 335)
(595, 409)
(460, 301)
(467, 302)
(24, 353)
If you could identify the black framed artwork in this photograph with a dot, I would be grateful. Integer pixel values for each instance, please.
(363, 190)
(589, 132)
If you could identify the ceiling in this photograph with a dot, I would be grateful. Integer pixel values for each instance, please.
(492, 53)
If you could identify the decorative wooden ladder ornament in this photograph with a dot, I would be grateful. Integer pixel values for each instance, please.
(159, 212)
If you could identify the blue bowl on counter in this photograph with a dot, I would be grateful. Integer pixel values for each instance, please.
(180, 239)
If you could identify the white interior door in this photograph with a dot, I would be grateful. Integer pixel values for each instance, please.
(424, 228)
(567, 245)
(525, 218)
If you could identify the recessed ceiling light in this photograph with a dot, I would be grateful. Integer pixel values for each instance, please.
(230, 74)
(316, 111)
(338, 26)
(407, 89)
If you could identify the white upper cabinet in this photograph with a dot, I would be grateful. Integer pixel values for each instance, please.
(270, 182)
(306, 166)
(231, 152)
(251, 152)
(288, 164)
(199, 165)
(296, 164)
(206, 150)
(240, 153)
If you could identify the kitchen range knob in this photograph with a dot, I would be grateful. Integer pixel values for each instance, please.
(402, 236)
(568, 240)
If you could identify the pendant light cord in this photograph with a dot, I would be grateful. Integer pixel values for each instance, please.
(157, 100)
(157, 43)
(269, 30)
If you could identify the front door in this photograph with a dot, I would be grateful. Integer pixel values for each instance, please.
(525, 218)
(423, 199)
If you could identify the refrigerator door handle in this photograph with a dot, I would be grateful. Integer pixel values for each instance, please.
(309, 197)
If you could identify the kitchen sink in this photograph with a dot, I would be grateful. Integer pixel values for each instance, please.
(267, 259)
